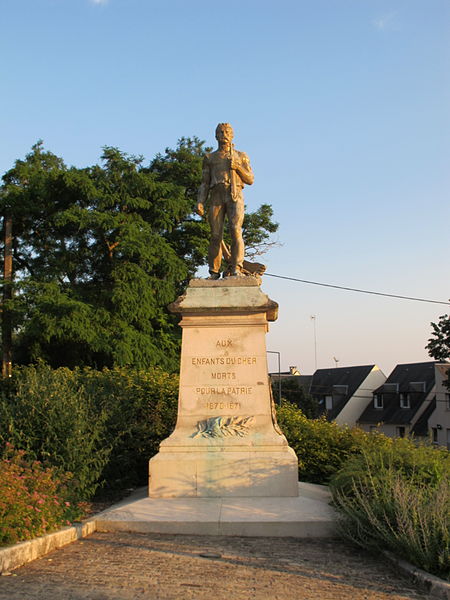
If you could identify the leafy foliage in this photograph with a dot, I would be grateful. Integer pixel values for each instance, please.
(48, 414)
(396, 496)
(141, 410)
(295, 394)
(183, 167)
(256, 231)
(100, 252)
(95, 271)
(102, 426)
(439, 345)
(33, 499)
(321, 447)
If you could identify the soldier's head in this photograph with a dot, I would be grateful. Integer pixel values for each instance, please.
(224, 133)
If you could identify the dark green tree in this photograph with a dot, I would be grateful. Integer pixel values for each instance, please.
(183, 167)
(439, 344)
(295, 394)
(95, 269)
(100, 252)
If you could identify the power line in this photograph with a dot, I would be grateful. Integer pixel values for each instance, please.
(327, 392)
(349, 289)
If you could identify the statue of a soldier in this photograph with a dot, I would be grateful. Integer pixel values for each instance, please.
(225, 172)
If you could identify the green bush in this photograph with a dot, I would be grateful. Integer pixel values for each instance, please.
(293, 393)
(33, 500)
(422, 464)
(47, 413)
(141, 408)
(396, 496)
(102, 426)
(321, 447)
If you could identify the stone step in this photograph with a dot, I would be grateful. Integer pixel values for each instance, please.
(307, 516)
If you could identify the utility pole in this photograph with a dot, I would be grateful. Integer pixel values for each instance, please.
(7, 296)
(279, 373)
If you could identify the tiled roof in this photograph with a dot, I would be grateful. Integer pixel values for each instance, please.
(403, 375)
(324, 380)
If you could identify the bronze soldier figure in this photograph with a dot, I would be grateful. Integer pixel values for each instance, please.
(225, 172)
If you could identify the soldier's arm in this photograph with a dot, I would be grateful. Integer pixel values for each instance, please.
(241, 165)
(203, 190)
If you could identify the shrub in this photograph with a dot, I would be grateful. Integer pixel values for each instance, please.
(421, 464)
(141, 408)
(293, 393)
(321, 447)
(33, 499)
(47, 413)
(396, 496)
(102, 426)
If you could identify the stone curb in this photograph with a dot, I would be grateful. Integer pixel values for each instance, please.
(436, 587)
(15, 556)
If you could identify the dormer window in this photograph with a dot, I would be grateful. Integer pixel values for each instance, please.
(378, 401)
(405, 401)
(390, 388)
(417, 386)
(340, 390)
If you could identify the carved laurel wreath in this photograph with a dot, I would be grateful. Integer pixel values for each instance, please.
(215, 427)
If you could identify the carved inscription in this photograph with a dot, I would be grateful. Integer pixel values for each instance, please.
(224, 344)
(225, 375)
(225, 391)
(213, 386)
(223, 405)
(201, 361)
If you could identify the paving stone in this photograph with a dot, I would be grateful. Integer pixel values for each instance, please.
(129, 566)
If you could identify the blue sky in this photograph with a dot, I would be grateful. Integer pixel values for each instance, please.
(341, 105)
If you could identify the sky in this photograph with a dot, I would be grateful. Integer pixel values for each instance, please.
(343, 107)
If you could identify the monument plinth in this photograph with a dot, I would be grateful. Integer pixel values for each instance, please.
(226, 441)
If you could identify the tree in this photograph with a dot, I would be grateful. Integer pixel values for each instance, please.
(95, 271)
(100, 252)
(439, 345)
(183, 167)
(294, 393)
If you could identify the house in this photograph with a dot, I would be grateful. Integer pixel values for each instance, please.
(344, 392)
(293, 372)
(293, 378)
(438, 425)
(404, 403)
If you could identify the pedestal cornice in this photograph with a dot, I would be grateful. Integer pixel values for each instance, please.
(230, 296)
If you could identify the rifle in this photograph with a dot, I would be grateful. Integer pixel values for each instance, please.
(234, 195)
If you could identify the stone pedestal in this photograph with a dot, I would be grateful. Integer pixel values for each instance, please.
(226, 441)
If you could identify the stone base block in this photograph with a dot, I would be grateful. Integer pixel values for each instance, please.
(216, 474)
(308, 515)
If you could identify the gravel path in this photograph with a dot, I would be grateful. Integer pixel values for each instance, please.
(125, 566)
